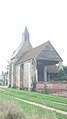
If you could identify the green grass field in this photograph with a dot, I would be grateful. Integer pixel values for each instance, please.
(31, 110)
(39, 95)
(44, 99)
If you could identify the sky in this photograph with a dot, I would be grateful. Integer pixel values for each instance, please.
(45, 20)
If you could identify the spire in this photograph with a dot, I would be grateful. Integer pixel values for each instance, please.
(25, 35)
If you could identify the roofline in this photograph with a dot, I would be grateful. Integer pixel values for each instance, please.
(44, 44)
(55, 51)
(52, 47)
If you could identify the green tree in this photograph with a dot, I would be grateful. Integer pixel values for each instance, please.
(61, 75)
(65, 69)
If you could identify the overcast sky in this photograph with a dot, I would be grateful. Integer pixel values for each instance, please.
(45, 20)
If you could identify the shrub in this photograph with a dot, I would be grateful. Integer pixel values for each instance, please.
(61, 78)
(65, 69)
(61, 75)
(33, 86)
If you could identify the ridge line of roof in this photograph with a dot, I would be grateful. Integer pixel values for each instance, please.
(55, 51)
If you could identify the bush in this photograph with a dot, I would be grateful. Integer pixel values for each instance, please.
(33, 86)
(65, 69)
(61, 75)
(61, 78)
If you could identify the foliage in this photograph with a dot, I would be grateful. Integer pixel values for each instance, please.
(61, 75)
(63, 78)
(33, 86)
(65, 69)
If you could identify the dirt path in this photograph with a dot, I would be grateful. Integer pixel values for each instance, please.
(61, 93)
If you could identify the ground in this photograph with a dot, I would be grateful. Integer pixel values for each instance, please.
(61, 93)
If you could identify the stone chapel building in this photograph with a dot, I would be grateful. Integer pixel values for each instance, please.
(30, 64)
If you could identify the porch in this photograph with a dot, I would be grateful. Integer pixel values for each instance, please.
(42, 76)
(41, 67)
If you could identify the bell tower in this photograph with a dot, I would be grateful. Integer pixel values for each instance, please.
(25, 35)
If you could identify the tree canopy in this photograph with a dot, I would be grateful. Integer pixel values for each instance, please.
(61, 75)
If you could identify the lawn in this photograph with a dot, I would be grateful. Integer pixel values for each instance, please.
(32, 111)
(40, 95)
(44, 99)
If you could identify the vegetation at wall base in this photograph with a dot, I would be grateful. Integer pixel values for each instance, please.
(33, 86)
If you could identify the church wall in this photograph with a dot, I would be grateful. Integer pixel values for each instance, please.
(18, 76)
(9, 75)
(13, 74)
(21, 75)
(27, 75)
(33, 70)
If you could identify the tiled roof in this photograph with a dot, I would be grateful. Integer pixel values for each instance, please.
(36, 51)
(21, 50)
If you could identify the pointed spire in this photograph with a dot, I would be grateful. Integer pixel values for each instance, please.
(25, 35)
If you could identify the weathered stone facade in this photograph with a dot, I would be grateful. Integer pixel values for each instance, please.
(29, 64)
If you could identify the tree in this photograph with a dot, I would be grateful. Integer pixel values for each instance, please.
(61, 75)
(65, 69)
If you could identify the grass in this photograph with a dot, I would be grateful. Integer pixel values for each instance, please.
(10, 111)
(35, 97)
(40, 95)
(31, 111)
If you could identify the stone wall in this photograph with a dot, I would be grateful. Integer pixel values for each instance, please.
(40, 87)
(51, 87)
(56, 87)
(18, 76)
(27, 75)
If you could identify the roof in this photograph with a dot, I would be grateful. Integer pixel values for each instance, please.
(35, 52)
(24, 46)
(17, 51)
(25, 34)
(22, 49)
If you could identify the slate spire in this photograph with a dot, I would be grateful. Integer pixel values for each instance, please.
(25, 35)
